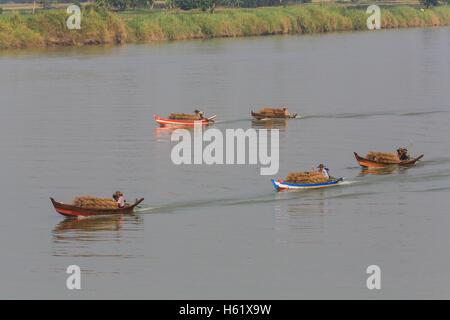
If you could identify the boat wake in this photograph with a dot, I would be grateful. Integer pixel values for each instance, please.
(230, 121)
(348, 182)
(437, 161)
(372, 114)
(267, 197)
(144, 209)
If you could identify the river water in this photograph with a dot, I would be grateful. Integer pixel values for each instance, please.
(80, 121)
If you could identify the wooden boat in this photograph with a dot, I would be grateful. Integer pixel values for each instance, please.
(364, 162)
(261, 116)
(169, 122)
(74, 211)
(280, 185)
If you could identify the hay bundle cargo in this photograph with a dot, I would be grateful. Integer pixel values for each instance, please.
(276, 113)
(94, 203)
(383, 157)
(306, 178)
(183, 116)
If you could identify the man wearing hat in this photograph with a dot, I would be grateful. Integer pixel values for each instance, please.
(287, 114)
(402, 154)
(200, 114)
(323, 171)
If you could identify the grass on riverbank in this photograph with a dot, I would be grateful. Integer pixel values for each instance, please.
(101, 27)
(269, 21)
(49, 29)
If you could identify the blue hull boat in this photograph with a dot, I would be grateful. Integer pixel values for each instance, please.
(280, 185)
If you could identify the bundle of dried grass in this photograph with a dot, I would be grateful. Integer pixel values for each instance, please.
(94, 203)
(383, 157)
(310, 177)
(278, 113)
(183, 116)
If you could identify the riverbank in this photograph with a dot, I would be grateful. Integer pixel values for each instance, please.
(47, 29)
(103, 27)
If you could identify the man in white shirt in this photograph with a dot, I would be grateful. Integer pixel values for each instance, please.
(323, 171)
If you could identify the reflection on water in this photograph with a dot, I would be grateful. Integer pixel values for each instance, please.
(82, 237)
(270, 124)
(382, 171)
(166, 132)
(300, 222)
(58, 52)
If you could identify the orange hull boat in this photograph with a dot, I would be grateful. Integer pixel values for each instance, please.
(364, 162)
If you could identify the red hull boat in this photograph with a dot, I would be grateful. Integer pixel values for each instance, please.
(169, 122)
(364, 162)
(73, 211)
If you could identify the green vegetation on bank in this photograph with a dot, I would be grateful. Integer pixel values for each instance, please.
(98, 26)
(48, 28)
